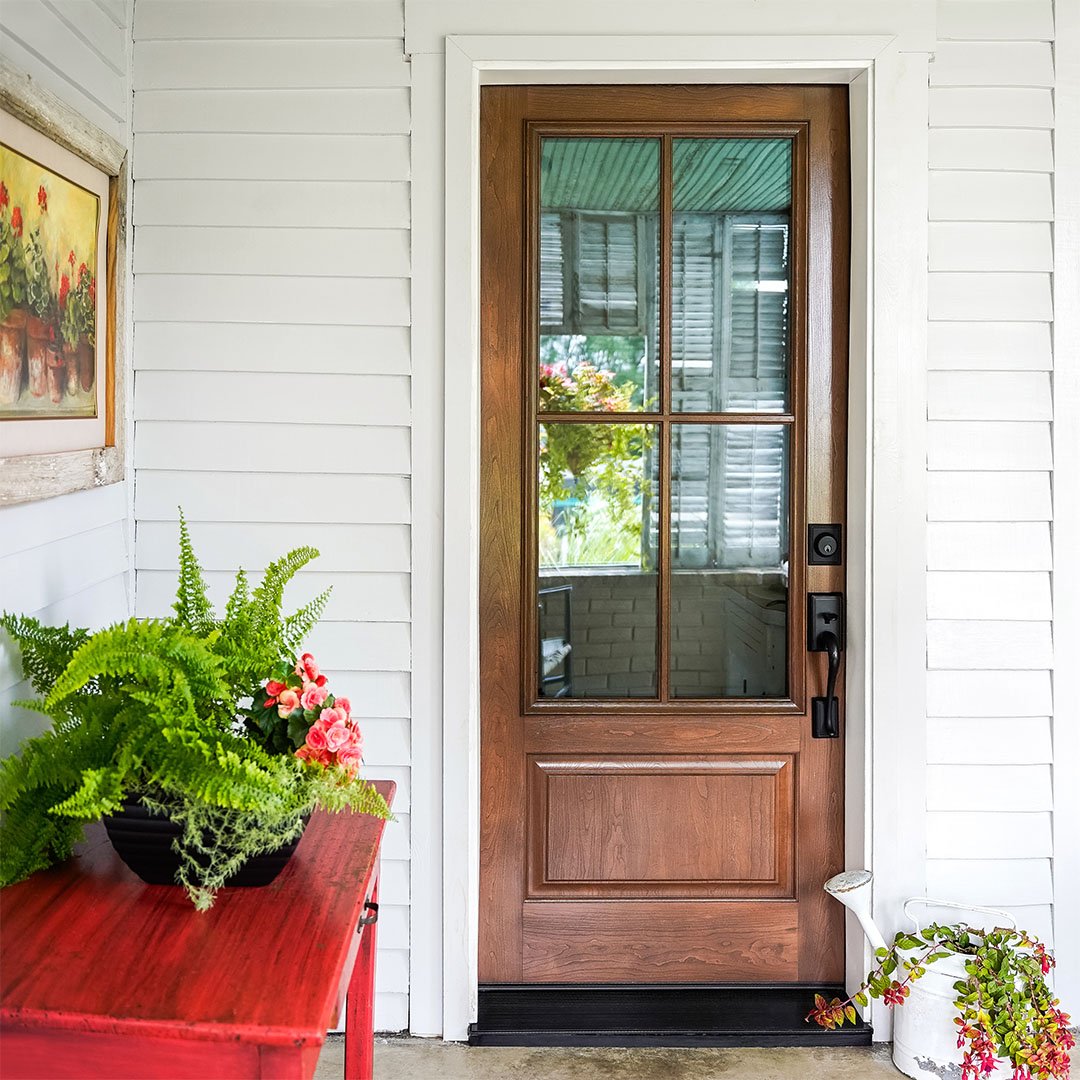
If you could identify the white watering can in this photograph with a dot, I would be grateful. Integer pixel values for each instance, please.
(924, 1035)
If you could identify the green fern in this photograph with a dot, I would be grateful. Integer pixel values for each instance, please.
(192, 606)
(151, 709)
(46, 650)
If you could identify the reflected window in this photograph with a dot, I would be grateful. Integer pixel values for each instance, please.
(599, 267)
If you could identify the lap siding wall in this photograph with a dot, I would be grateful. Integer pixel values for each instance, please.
(272, 386)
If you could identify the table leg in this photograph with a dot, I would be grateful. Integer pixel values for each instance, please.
(360, 1005)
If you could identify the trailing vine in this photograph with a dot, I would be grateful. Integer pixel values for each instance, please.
(1005, 1009)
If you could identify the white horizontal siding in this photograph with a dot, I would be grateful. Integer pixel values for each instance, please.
(960, 495)
(264, 251)
(272, 309)
(989, 454)
(268, 65)
(218, 156)
(66, 560)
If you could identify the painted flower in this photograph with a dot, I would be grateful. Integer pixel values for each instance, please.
(93, 290)
(313, 696)
(42, 199)
(71, 259)
(288, 700)
(82, 273)
(3, 195)
(65, 288)
(16, 221)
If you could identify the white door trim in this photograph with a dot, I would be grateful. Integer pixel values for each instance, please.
(886, 661)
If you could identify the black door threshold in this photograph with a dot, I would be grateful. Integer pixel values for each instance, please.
(656, 1015)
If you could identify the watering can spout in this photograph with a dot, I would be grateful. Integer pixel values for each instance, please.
(852, 889)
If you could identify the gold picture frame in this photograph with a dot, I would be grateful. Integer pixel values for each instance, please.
(62, 425)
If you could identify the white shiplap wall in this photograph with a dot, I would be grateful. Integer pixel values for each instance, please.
(67, 559)
(272, 392)
(989, 642)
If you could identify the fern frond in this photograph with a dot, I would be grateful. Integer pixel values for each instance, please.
(192, 606)
(267, 597)
(46, 650)
(296, 627)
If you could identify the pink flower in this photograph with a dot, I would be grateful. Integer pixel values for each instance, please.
(333, 715)
(308, 670)
(313, 696)
(349, 759)
(288, 700)
(316, 737)
(343, 704)
(320, 757)
(337, 736)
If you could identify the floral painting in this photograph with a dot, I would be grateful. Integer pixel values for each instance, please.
(48, 293)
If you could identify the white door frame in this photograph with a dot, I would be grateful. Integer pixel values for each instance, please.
(886, 558)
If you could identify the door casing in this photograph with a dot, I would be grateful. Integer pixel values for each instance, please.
(886, 667)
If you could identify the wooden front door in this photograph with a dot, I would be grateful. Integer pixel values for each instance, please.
(663, 402)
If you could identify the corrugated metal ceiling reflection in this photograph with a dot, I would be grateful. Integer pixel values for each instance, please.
(718, 175)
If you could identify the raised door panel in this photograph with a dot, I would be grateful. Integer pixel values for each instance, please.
(673, 826)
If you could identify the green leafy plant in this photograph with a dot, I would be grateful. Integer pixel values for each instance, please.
(12, 256)
(1005, 1010)
(39, 295)
(153, 710)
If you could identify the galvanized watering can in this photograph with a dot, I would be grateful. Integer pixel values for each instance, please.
(924, 1035)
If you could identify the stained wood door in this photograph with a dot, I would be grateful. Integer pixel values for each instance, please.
(663, 402)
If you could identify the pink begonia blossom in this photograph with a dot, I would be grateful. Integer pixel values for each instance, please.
(349, 759)
(316, 737)
(337, 736)
(313, 696)
(288, 700)
(344, 704)
(308, 670)
(333, 715)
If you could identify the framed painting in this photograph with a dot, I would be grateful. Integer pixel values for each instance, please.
(62, 199)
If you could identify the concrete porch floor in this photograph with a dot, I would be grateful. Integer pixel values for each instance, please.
(429, 1059)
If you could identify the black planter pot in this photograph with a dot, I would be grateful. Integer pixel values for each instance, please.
(143, 840)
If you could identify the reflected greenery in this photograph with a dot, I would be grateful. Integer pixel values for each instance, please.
(593, 494)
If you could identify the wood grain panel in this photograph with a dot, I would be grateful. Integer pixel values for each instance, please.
(673, 942)
(671, 826)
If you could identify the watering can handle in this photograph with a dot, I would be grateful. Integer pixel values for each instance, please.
(927, 901)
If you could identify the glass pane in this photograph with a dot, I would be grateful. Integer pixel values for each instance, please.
(729, 560)
(730, 274)
(599, 274)
(597, 539)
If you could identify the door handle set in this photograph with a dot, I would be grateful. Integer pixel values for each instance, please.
(825, 633)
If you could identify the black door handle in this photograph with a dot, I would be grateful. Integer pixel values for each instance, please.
(827, 726)
(825, 633)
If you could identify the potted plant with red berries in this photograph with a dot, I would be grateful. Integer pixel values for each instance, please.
(970, 999)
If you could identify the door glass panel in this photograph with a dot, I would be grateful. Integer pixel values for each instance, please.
(730, 271)
(729, 560)
(597, 587)
(599, 274)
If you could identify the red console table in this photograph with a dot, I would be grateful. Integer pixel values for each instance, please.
(105, 978)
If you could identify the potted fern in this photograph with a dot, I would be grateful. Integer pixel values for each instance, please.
(202, 741)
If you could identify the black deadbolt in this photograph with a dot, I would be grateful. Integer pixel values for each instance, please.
(824, 546)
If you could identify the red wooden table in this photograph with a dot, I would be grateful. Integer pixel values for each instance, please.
(105, 978)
